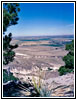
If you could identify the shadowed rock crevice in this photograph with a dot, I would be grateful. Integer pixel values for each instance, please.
(17, 89)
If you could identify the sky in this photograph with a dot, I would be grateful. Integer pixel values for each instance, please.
(38, 19)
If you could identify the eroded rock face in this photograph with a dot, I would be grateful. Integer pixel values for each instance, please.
(60, 86)
(67, 79)
(63, 91)
(17, 89)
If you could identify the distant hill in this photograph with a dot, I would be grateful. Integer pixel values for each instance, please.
(35, 38)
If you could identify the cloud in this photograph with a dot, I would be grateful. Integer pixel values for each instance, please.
(70, 25)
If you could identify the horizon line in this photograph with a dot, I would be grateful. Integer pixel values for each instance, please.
(44, 35)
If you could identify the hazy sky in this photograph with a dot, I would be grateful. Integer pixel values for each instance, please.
(44, 19)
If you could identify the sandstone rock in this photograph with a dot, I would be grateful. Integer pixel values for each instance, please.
(25, 93)
(62, 91)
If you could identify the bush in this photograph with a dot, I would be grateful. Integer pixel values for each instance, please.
(63, 70)
(41, 88)
(7, 77)
(68, 59)
(70, 46)
(49, 69)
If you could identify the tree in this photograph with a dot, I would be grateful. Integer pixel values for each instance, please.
(10, 17)
(68, 59)
(70, 47)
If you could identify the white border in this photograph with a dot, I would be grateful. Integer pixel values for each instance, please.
(19, 1)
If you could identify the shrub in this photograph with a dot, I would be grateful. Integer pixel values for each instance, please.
(68, 59)
(7, 77)
(40, 87)
(49, 69)
(62, 70)
(70, 46)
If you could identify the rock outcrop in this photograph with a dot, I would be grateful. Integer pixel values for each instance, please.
(18, 89)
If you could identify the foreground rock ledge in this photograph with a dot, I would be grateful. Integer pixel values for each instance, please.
(16, 89)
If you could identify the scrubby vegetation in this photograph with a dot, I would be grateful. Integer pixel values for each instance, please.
(68, 59)
(40, 87)
(7, 77)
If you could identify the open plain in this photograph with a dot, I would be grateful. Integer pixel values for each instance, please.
(34, 56)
